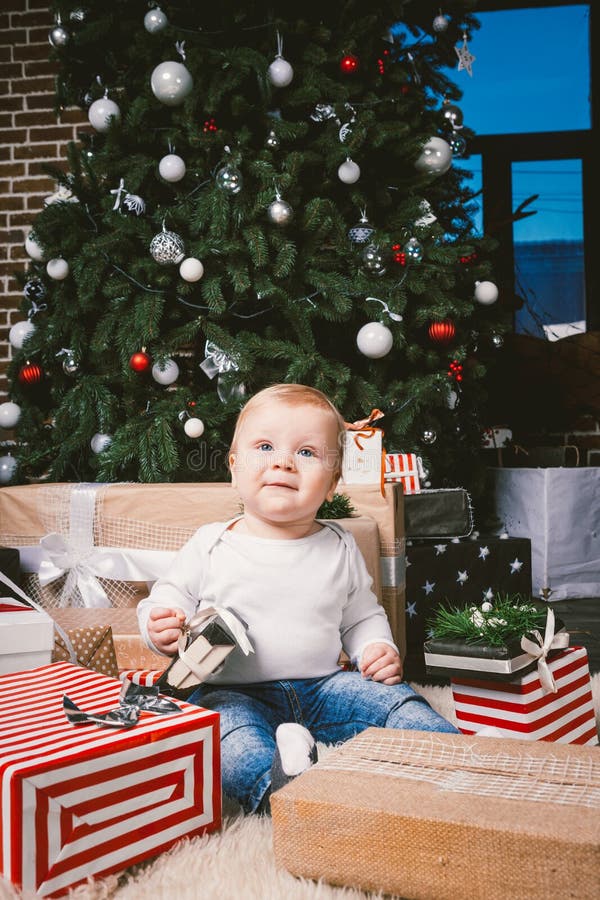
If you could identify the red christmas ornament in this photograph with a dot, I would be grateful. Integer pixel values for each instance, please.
(140, 361)
(398, 254)
(210, 126)
(465, 260)
(382, 61)
(455, 370)
(348, 63)
(442, 332)
(31, 373)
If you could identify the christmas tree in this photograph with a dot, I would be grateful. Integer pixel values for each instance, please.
(265, 193)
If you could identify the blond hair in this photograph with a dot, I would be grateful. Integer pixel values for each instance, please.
(295, 395)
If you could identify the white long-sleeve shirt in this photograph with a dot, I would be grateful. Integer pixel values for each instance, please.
(302, 600)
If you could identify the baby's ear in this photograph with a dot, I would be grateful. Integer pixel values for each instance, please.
(231, 462)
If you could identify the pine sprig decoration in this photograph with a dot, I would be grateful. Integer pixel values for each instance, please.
(494, 623)
(339, 507)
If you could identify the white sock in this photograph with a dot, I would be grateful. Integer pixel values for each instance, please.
(295, 744)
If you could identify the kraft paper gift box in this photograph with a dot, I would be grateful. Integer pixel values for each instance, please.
(431, 816)
(524, 708)
(80, 801)
(559, 510)
(109, 542)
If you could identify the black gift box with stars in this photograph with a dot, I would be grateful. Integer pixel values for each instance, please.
(458, 573)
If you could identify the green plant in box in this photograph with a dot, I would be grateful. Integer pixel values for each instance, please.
(494, 623)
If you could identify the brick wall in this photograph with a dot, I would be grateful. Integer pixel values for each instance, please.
(30, 135)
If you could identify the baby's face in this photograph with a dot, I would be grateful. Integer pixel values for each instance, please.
(285, 462)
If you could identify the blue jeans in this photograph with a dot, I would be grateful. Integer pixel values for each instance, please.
(333, 708)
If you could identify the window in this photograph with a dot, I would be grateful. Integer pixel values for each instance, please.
(529, 105)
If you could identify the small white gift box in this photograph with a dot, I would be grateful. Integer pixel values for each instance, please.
(364, 456)
(26, 638)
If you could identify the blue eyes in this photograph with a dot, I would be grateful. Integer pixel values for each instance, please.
(268, 448)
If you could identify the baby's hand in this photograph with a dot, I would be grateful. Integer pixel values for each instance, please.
(164, 628)
(381, 663)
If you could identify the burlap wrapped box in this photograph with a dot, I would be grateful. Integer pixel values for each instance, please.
(430, 816)
(99, 547)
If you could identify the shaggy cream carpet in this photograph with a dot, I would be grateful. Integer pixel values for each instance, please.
(235, 864)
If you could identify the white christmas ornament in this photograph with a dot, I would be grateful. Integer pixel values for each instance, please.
(100, 113)
(171, 167)
(280, 72)
(374, 340)
(349, 172)
(58, 269)
(171, 83)
(166, 372)
(155, 21)
(191, 269)
(10, 413)
(100, 442)
(20, 332)
(435, 157)
(194, 428)
(33, 249)
(486, 292)
(8, 466)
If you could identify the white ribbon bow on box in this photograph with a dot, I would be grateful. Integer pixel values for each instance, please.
(541, 646)
(76, 556)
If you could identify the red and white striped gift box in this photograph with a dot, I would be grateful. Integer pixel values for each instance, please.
(85, 800)
(403, 467)
(520, 708)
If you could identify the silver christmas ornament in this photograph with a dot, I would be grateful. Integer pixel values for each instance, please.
(100, 442)
(272, 141)
(440, 24)
(155, 21)
(349, 171)
(102, 112)
(70, 365)
(279, 212)
(458, 144)
(78, 15)
(361, 232)
(435, 157)
(171, 83)
(497, 341)
(134, 204)
(372, 259)
(34, 289)
(229, 179)
(429, 436)
(452, 114)
(414, 250)
(59, 37)
(167, 248)
(8, 467)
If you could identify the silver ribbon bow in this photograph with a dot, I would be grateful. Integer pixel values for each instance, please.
(229, 619)
(217, 362)
(541, 646)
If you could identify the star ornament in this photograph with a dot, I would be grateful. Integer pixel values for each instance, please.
(484, 552)
(465, 57)
(462, 577)
(428, 588)
(440, 548)
(411, 609)
(515, 566)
